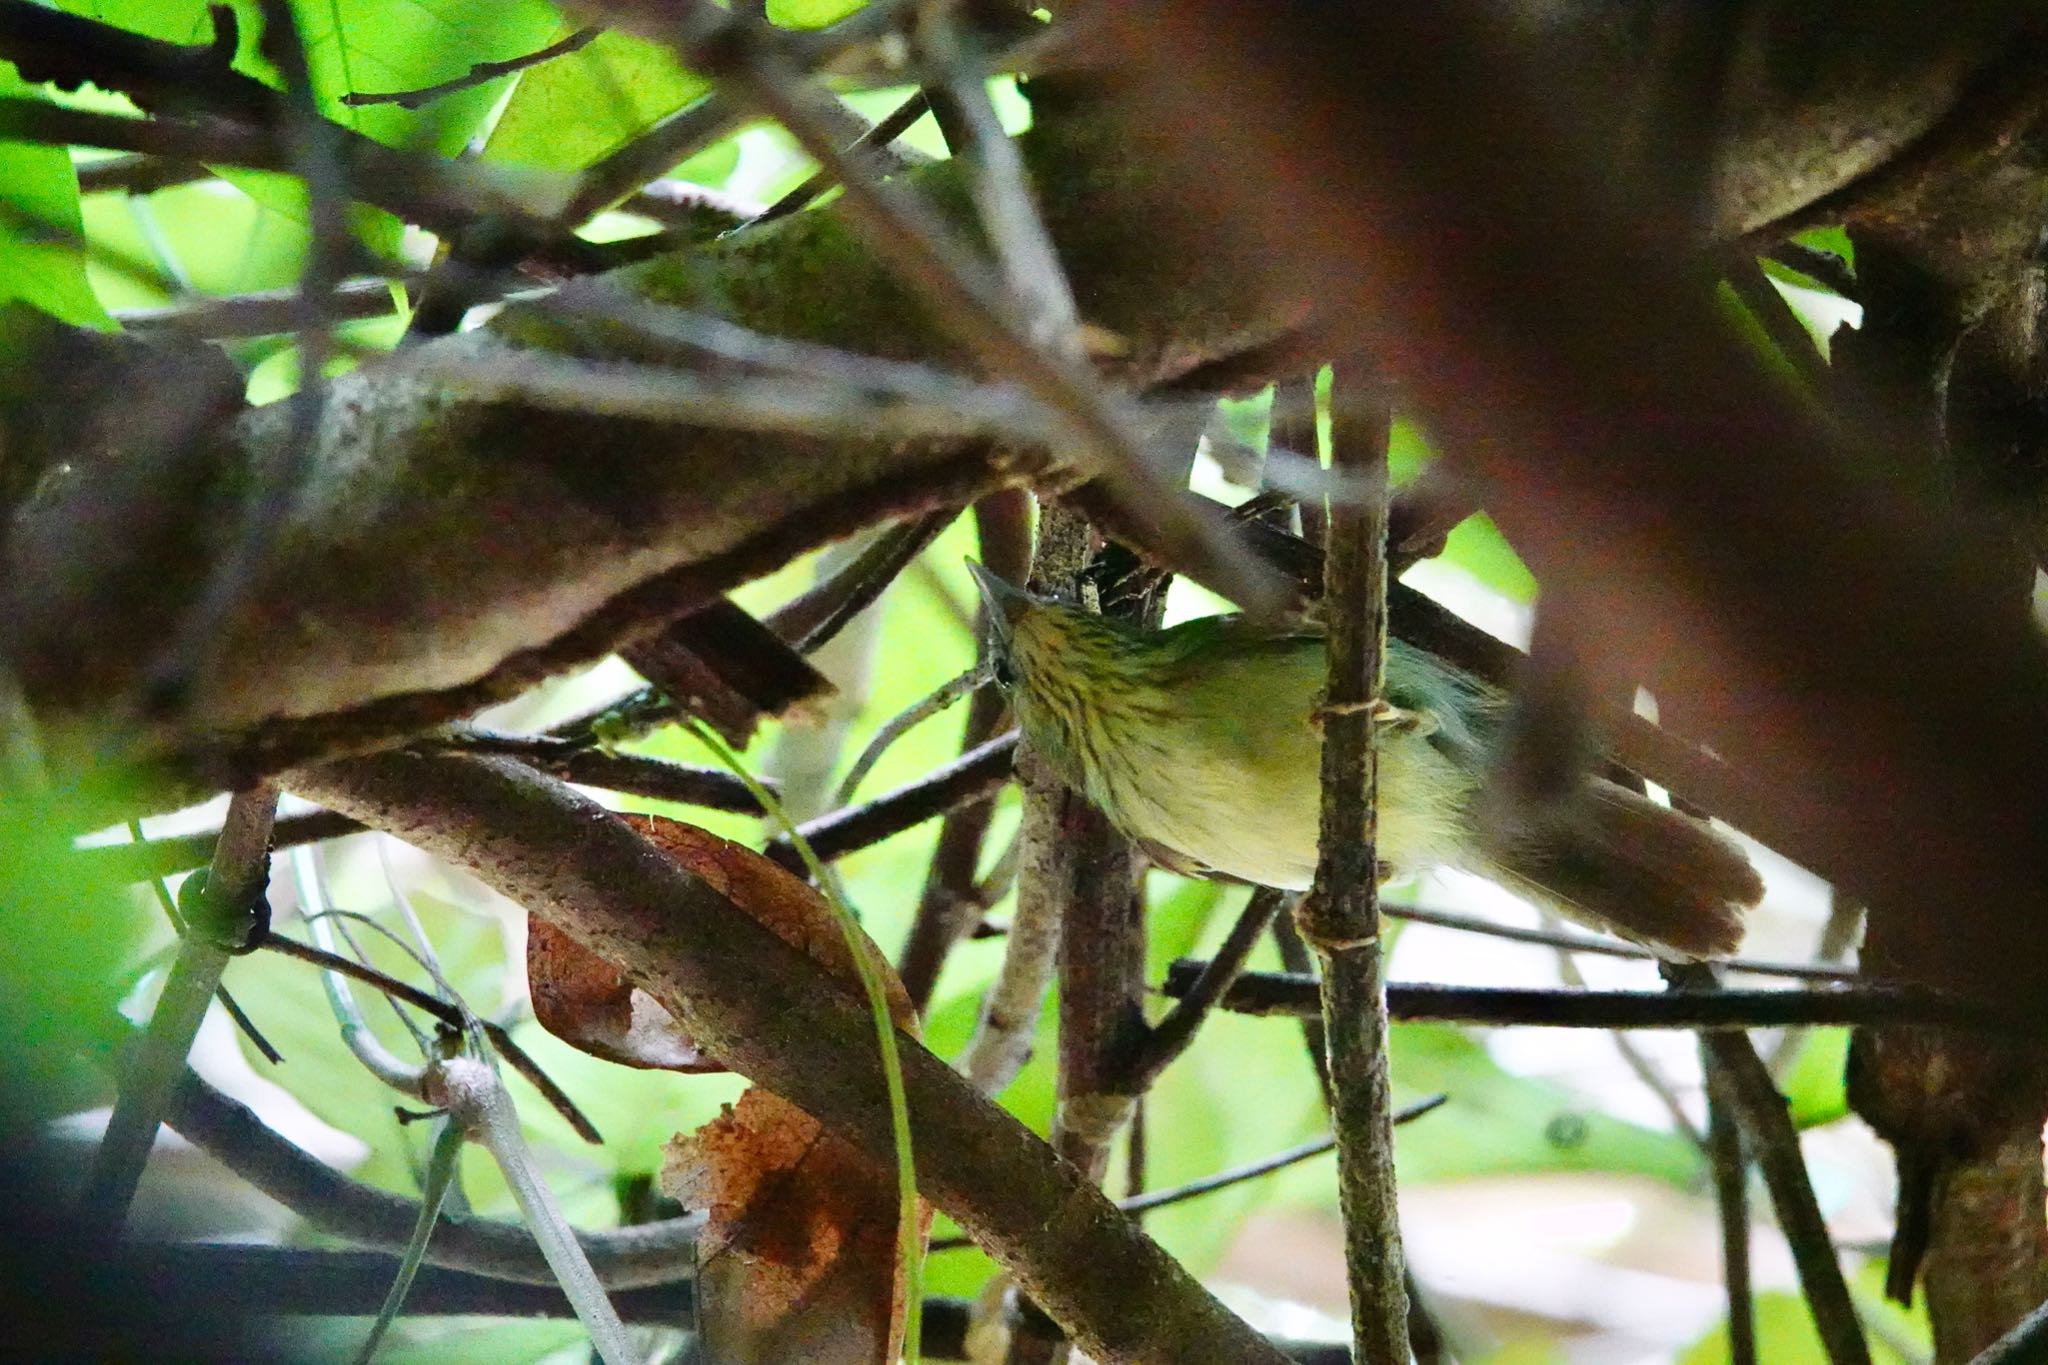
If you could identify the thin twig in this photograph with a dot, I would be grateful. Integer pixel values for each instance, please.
(897, 726)
(935, 408)
(811, 620)
(1653, 1080)
(976, 775)
(893, 125)
(1767, 1124)
(1580, 943)
(1731, 1201)
(479, 73)
(952, 901)
(1171, 1035)
(182, 852)
(449, 1014)
(1049, 890)
(652, 1253)
(434, 1189)
(638, 774)
(475, 1098)
(268, 312)
(227, 910)
(1235, 1175)
(683, 134)
(367, 1048)
(1340, 917)
(1762, 1112)
(1837, 936)
(1503, 1006)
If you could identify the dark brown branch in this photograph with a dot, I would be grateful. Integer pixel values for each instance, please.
(479, 73)
(1170, 1036)
(267, 313)
(1501, 1006)
(1731, 1203)
(1767, 1125)
(159, 76)
(975, 776)
(658, 779)
(182, 853)
(624, 1258)
(135, 173)
(720, 664)
(893, 125)
(813, 618)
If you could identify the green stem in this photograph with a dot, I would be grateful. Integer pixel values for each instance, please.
(909, 1242)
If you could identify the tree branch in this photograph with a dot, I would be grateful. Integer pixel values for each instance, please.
(763, 1007)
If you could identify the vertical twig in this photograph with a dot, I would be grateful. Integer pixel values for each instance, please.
(1767, 1124)
(1340, 917)
(1170, 1036)
(477, 1103)
(1731, 1197)
(215, 928)
(947, 909)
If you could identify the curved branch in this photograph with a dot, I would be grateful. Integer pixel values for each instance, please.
(767, 1009)
(624, 1258)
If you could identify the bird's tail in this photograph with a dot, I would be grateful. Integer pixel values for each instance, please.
(1620, 861)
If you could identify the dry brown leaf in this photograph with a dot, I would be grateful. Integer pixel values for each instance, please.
(799, 1257)
(589, 1004)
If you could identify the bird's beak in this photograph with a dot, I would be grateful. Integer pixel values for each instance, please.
(1005, 601)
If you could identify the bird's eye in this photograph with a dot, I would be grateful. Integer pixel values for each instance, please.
(1005, 674)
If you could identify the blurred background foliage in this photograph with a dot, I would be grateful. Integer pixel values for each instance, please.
(1555, 1213)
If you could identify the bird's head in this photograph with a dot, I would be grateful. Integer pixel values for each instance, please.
(1050, 652)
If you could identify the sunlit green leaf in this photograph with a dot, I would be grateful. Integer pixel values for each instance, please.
(41, 261)
(573, 110)
(811, 13)
(1816, 1084)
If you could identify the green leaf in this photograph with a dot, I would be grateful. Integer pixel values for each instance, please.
(380, 46)
(1817, 1085)
(1784, 1335)
(1478, 547)
(1497, 1123)
(811, 13)
(568, 113)
(67, 940)
(41, 259)
(1476, 544)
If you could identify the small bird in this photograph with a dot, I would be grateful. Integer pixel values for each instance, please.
(1202, 743)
